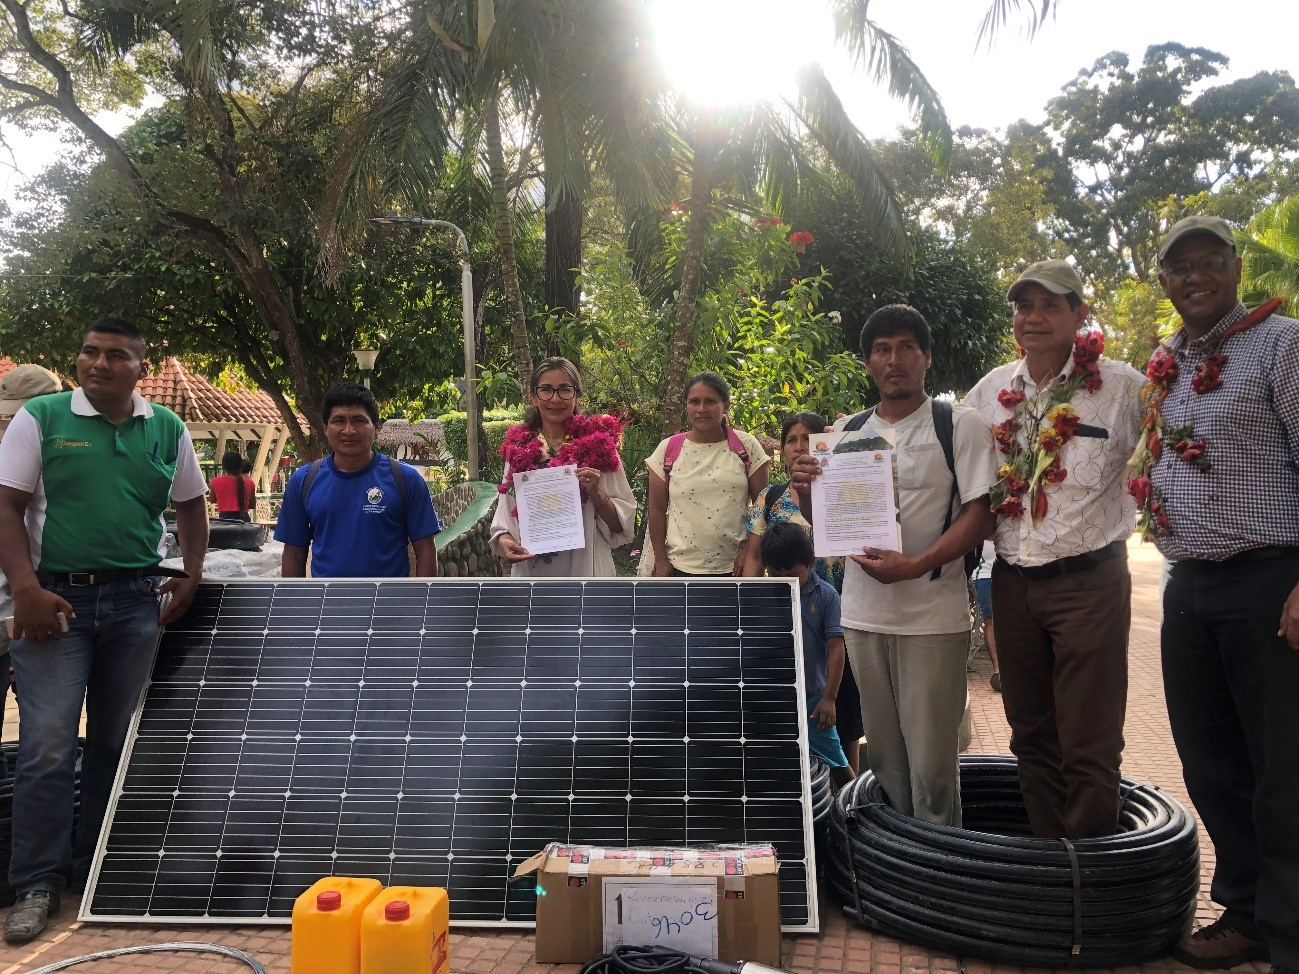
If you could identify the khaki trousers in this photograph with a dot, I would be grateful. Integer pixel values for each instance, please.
(912, 699)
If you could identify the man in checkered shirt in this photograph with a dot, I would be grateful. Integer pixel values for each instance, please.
(1231, 609)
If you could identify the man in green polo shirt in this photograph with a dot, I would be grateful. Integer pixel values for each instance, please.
(84, 479)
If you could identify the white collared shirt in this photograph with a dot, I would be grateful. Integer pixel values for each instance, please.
(1091, 507)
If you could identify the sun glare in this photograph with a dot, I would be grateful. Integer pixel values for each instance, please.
(724, 52)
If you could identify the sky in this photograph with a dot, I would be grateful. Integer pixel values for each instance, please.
(980, 88)
(727, 49)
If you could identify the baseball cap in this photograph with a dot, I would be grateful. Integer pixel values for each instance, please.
(25, 382)
(1057, 276)
(1212, 225)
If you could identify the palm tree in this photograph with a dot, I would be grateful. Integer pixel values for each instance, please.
(765, 145)
(1269, 253)
(575, 76)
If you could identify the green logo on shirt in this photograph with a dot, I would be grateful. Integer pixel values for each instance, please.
(60, 443)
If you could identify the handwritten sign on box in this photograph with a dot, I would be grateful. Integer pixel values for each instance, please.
(661, 911)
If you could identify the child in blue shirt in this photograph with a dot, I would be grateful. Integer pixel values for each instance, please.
(787, 552)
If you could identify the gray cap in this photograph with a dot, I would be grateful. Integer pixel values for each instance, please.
(25, 382)
(1212, 225)
(1057, 276)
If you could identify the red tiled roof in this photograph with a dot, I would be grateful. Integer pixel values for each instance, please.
(195, 399)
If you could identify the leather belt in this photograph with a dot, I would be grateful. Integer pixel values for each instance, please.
(106, 576)
(1068, 566)
(1242, 557)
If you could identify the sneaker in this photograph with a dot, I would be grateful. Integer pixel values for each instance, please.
(30, 915)
(995, 682)
(1218, 946)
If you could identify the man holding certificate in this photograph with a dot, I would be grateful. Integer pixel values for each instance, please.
(906, 615)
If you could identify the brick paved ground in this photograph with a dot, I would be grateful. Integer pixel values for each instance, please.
(839, 947)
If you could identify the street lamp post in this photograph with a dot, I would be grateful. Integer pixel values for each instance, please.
(467, 316)
(365, 362)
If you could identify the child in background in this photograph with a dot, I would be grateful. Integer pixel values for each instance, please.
(983, 595)
(235, 493)
(787, 552)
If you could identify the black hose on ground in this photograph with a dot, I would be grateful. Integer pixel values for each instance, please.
(822, 799)
(992, 891)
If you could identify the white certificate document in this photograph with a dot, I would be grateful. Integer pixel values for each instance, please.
(854, 500)
(550, 510)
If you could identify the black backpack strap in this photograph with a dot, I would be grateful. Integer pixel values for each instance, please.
(859, 420)
(942, 411)
(313, 471)
(398, 478)
(774, 493)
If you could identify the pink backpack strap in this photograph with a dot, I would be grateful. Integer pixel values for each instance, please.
(671, 453)
(673, 450)
(737, 447)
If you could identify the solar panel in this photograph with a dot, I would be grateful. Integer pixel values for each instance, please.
(441, 732)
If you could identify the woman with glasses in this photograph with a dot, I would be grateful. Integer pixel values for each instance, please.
(701, 484)
(554, 433)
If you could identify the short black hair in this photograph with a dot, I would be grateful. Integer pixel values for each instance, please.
(889, 321)
(349, 394)
(786, 546)
(120, 326)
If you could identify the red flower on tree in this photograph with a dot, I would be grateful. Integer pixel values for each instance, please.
(800, 240)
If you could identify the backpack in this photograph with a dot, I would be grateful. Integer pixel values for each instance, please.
(774, 493)
(942, 412)
(673, 451)
(394, 468)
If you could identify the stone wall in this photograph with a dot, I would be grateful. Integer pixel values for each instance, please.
(465, 512)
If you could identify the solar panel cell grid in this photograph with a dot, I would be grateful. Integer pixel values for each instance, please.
(439, 733)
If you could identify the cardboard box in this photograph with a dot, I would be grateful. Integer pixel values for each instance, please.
(570, 896)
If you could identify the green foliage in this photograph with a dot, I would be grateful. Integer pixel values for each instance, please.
(1135, 315)
(1269, 252)
(496, 422)
(951, 286)
(782, 356)
(995, 195)
(1130, 144)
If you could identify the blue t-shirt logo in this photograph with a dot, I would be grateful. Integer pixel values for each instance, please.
(374, 495)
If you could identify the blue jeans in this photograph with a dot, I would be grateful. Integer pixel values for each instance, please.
(104, 659)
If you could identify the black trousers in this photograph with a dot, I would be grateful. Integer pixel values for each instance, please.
(1232, 687)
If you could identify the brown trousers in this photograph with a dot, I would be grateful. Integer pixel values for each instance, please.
(1063, 649)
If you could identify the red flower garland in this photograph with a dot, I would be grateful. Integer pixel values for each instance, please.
(1029, 468)
(1162, 372)
(590, 440)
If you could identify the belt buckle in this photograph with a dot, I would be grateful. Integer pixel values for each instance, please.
(81, 578)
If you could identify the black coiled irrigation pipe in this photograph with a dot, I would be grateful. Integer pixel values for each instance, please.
(992, 891)
(822, 799)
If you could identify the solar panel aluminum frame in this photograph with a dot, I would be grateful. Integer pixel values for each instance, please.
(812, 925)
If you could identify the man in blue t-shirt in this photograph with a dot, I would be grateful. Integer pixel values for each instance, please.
(787, 552)
(356, 509)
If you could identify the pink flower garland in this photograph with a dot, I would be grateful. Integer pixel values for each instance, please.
(590, 440)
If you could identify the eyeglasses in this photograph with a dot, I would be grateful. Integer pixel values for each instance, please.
(1209, 264)
(550, 392)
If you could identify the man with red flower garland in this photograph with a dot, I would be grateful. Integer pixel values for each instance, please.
(1066, 421)
(1223, 503)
